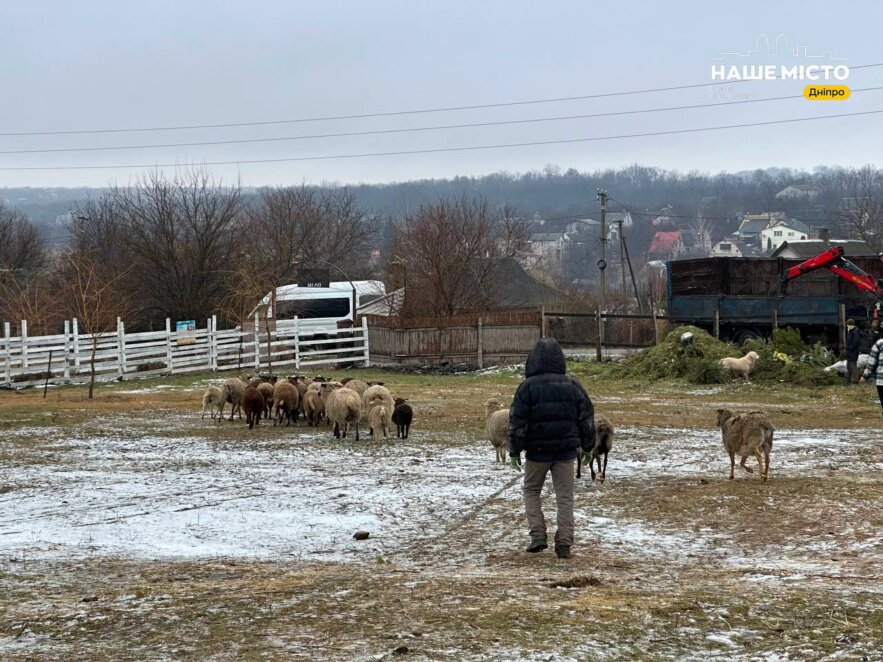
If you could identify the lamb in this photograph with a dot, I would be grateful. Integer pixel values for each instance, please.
(497, 423)
(213, 398)
(603, 445)
(402, 416)
(377, 420)
(234, 389)
(286, 399)
(253, 403)
(747, 434)
(379, 394)
(355, 384)
(343, 407)
(314, 407)
(744, 366)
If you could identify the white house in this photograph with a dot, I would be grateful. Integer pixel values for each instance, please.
(780, 231)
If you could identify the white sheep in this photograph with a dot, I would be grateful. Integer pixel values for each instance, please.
(377, 417)
(234, 389)
(497, 422)
(378, 394)
(747, 434)
(343, 407)
(213, 398)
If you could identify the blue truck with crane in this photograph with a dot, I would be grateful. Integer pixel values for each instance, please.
(743, 298)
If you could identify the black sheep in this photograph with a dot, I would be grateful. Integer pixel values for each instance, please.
(402, 416)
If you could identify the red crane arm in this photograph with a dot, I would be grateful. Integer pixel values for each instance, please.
(833, 260)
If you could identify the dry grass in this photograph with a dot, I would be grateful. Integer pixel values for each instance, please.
(791, 567)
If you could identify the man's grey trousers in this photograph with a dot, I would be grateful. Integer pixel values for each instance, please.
(562, 482)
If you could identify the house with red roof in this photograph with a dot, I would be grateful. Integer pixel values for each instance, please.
(666, 245)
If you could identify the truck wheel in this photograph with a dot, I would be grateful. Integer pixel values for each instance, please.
(747, 334)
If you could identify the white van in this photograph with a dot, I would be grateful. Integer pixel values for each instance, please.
(319, 309)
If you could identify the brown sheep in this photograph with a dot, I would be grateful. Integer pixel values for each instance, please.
(253, 403)
(603, 445)
(267, 389)
(301, 383)
(745, 435)
(314, 407)
(285, 401)
(356, 385)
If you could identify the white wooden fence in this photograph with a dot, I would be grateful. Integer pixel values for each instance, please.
(25, 360)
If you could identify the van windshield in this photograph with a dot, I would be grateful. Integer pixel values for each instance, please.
(312, 308)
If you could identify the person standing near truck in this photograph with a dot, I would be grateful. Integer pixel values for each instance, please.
(875, 369)
(853, 343)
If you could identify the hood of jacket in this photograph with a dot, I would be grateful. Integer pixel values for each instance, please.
(545, 357)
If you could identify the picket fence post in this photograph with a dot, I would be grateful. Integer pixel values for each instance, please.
(76, 331)
(169, 344)
(121, 348)
(296, 344)
(67, 351)
(365, 342)
(257, 341)
(7, 368)
(213, 343)
(24, 345)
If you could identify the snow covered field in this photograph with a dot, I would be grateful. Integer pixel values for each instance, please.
(145, 533)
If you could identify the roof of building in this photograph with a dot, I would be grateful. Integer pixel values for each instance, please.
(802, 187)
(747, 250)
(812, 247)
(753, 224)
(664, 242)
(547, 236)
(513, 287)
(792, 223)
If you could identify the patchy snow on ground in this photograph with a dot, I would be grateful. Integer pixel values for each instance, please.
(123, 491)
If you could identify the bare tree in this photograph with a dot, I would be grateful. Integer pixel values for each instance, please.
(174, 238)
(22, 248)
(861, 196)
(95, 299)
(33, 299)
(451, 248)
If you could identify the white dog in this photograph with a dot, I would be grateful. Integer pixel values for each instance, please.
(744, 365)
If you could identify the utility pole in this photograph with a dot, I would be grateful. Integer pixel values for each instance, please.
(602, 263)
(622, 262)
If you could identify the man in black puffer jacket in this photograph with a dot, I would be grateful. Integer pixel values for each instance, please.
(551, 419)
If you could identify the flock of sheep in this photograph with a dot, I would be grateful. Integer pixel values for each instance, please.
(746, 435)
(344, 404)
(349, 402)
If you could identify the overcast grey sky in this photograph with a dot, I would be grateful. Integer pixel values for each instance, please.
(111, 64)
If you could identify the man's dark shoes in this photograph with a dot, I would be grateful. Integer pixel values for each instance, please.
(563, 552)
(536, 546)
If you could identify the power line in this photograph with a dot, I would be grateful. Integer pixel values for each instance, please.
(412, 129)
(438, 150)
(419, 111)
